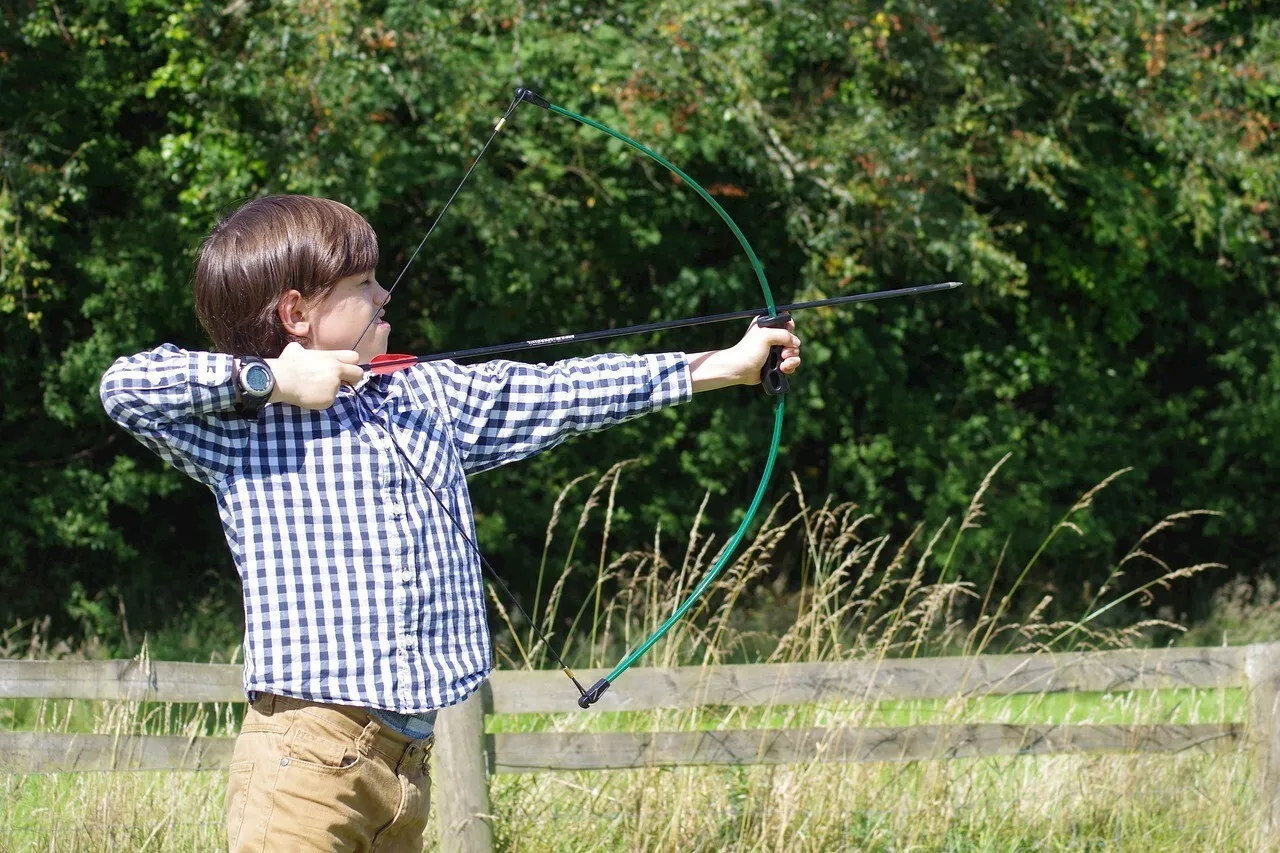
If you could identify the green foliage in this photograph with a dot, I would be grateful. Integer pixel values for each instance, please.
(1104, 177)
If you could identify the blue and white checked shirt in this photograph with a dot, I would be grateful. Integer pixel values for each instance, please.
(357, 589)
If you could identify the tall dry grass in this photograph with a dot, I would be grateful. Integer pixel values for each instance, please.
(862, 594)
(865, 596)
(117, 811)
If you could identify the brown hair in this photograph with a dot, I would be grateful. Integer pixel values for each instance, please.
(266, 248)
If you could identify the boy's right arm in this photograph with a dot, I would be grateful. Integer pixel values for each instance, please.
(168, 399)
(171, 400)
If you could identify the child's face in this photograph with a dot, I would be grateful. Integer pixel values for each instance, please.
(345, 311)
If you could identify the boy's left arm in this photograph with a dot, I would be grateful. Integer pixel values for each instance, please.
(503, 411)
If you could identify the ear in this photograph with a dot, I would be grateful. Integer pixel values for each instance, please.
(292, 311)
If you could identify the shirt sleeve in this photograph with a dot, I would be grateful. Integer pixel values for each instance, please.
(170, 400)
(503, 411)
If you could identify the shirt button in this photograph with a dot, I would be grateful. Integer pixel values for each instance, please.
(406, 576)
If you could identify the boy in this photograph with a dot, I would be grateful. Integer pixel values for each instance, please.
(364, 609)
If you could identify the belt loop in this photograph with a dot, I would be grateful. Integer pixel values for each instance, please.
(271, 704)
(368, 735)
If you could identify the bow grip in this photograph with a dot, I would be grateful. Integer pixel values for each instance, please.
(772, 380)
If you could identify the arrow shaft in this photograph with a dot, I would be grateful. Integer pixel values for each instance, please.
(644, 328)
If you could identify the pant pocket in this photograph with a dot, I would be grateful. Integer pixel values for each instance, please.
(327, 795)
(321, 744)
(241, 773)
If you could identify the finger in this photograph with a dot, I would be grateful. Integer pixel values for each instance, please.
(789, 365)
(350, 374)
(781, 338)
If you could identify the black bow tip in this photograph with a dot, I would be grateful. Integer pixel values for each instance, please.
(523, 94)
(592, 696)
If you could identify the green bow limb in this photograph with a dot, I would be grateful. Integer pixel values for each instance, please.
(593, 694)
(596, 690)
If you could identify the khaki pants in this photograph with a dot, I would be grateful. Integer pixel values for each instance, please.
(312, 777)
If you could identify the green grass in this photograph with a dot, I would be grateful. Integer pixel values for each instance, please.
(122, 811)
(1032, 803)
(866, 598)
(1158, 706)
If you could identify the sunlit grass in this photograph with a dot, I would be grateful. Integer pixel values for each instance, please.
(1159, 706)
(866, 598)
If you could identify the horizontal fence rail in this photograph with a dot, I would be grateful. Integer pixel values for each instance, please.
(876, 681)
(465, 755)
(37, 752)
(156, 681)
(525, 753)
(543, 691)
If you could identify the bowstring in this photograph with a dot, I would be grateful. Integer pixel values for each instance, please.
(462, 531)
(497, 128)
(457, 523)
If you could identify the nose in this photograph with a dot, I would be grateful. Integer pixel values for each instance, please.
(383, 296)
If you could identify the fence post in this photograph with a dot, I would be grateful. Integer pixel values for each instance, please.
(1262, 667)
(462, 776)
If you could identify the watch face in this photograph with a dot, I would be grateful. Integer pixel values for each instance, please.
(257, 379)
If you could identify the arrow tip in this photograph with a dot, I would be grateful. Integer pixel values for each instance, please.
(952, 285)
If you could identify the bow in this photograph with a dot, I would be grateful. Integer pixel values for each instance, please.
(777, 387)
(773, 382)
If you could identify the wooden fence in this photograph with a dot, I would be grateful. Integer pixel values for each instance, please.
(465, 755)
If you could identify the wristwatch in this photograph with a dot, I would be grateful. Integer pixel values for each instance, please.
(255, 382)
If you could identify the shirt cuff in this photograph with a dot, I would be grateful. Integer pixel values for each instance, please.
(213, 388)
(670, 380)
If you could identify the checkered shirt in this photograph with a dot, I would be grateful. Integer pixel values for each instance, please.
(358, 589)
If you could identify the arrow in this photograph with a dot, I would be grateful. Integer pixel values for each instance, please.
(390, 363)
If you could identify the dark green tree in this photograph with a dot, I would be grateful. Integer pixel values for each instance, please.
(1104, 177)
